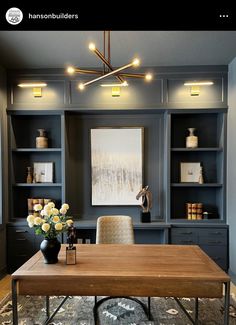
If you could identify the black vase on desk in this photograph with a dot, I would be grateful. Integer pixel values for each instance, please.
(50, 248)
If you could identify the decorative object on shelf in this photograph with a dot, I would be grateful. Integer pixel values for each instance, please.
(108, 69)
(43, 172)
(32, 201)
(50, 223)
(116, 164)
(189, 172)
(42, 140)
(71, 249)
(194, 211)
(191, 140)
(201, 179)
(146, 204)
(29, 178)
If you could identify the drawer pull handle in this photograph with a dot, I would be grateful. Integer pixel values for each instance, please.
(22, 255)
(21, 239)
(186, 241)
(215, 233)
(187, 233)
(21, 231)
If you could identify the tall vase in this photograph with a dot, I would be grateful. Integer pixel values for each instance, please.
(42, 140)
(50, 249)
(191, 140)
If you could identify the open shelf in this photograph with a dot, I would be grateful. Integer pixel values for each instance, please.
(37, 150)
(196, 185)
(37, 184)
(197, 149)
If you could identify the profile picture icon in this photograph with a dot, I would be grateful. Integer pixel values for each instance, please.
(14, 16)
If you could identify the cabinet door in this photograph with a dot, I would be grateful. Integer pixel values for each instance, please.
(20, 246)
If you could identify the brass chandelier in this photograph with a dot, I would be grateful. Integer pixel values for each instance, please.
(108, 69)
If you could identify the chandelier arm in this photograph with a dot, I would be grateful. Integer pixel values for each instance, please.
(109, 74)
(84, 71)
(104, 60)
(133, 75)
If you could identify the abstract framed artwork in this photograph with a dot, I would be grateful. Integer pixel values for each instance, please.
(116, 165)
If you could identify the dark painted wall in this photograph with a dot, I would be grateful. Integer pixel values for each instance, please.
(3, 175)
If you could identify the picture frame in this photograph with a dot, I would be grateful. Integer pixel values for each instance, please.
(43, 172)
(116, 165)
(190, 172)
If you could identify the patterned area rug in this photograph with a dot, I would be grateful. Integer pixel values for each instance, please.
(79, 311)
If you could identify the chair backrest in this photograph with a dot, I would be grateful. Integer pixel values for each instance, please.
(114, 230)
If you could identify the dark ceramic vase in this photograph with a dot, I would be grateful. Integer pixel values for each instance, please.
(50, 249)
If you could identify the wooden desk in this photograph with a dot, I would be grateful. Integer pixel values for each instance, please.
(124, 270)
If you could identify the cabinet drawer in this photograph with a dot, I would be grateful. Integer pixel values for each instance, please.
(213, 240)
(184, 240)
(213, 233)
(184, 236)
(184, 231)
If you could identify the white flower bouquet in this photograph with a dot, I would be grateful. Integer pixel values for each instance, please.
(50, 221)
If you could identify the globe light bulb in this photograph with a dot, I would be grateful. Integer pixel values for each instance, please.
(81, 86)
(92, 47)
(148, 77)
(136, 62)
(71, 70)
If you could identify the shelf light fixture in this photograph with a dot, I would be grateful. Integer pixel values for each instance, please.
(36, 87)
(195, 86)
(108, 69)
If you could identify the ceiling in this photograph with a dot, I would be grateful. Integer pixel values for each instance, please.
(56, 49)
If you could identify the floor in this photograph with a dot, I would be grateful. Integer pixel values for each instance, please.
(5, 287)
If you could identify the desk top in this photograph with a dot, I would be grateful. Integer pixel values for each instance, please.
(125, 266)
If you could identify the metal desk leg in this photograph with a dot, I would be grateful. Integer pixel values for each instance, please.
(196, 311)
(227, 302)
(47, 307)
(14, 302)
(149, 308)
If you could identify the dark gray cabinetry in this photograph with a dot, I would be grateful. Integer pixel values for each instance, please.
(214, 241)
(22, 243)
(211, 153)
(23, 128)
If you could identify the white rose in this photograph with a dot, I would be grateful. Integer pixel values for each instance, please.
(55, 219)
(51, 205)
(30, 218)
(43, 213)
(58, 226)
(45, 227)
(69, 222)
(54, 211)
(63, 211)
(47, 209)
(65, 206)
(30, 224)
(37, 207)
(37, 221)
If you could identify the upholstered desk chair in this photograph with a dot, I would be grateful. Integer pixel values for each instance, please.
(116, 229)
